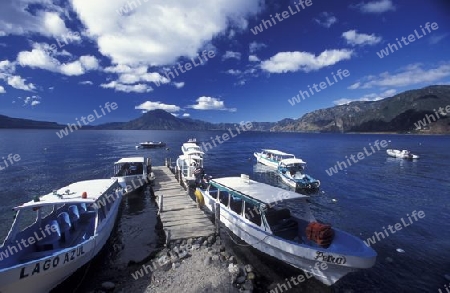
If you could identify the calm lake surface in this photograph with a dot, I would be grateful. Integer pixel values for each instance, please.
(362, 199)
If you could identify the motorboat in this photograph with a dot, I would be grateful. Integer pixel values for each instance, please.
(402, 154)
(292, 173)
(271, 158)
(151, 144)
(68, 229)
(191, 145)
(190, 166)
(260, 215)
(134, 173)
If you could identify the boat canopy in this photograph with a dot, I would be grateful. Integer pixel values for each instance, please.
(72, 193)
(292, 161)
(131, 160)
(194, 152)
(277, 152)
(255, 190)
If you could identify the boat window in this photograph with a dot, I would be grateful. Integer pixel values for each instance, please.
(236, 204)
(213, 191)
(252, 213)
(223, 197)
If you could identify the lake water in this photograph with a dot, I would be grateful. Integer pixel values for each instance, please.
(373, 193)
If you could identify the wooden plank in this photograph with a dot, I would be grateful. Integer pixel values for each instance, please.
(180, 215)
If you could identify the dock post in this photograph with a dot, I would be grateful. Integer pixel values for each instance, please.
(217, 219)
(166, 162)
(160, 203)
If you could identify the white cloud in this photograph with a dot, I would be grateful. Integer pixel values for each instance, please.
(186, 115)
(178, 85)
(2, 90)
(326, 19)
(376, 6)
(354, 86)
(354, 38)
(410, 75)
(18, 82)
(231, 54)
(234, 71)
(41, 57)
(368, 97)
(255, 46)
(295, 61)
(253, 58)
(210, 103)
(86, 82)
(149, 106)
(434, 39)
(172, 28)
(31, 101)
(138, 74)
(120, 87)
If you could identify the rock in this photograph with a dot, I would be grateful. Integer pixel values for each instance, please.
(108, 285)
(232, 259)
(175, 265)
(207, 261)
(248, 268)
(240, 280)
(189, 241)
(233, 269)
(182, 254)
(400, 250)
(211, 239)
(195, 246)
(389, 259)
(215, 258)
(188, 247)
(251, 276)
(248, 285)
(205, 243)
(222, 248)
(222, 258)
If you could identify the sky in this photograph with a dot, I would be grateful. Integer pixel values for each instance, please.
(215, 60)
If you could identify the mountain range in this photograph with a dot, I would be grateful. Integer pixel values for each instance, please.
(414, 111)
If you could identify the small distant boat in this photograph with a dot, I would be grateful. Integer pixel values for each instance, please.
(291, 173)
(134, 173)
(272, 158)
(151, 144)
(70, 226)
(258, 214)
(403, 154)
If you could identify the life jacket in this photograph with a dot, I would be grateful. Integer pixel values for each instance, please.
(322, 234)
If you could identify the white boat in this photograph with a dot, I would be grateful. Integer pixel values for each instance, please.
(252, 211)
(292, 173)
(190, 146)
(134, 172)
(403, 154)
(70, 226)
(151, 144)
(272, 158)
(191, 165)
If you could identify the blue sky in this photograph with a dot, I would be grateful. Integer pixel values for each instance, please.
(61, 60)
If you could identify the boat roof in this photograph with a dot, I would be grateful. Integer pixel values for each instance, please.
(94, 189)
(292, 161)
(193, 152)
(277, 152)
(259, 191)
(190, 145)
(186, 157)
(131, 160)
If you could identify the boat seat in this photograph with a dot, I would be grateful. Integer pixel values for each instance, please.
(51, 241)
(64, 225)
(82, 208)
(74, 215)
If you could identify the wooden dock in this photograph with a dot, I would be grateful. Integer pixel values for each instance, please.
(180, 216)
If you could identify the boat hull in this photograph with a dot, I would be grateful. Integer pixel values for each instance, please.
(300, 184)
